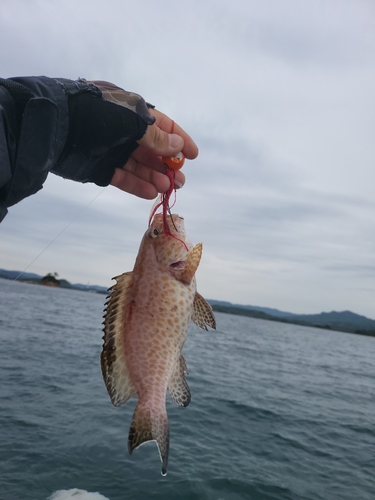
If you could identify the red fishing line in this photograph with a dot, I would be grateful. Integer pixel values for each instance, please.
(164, 203)
(165, 197)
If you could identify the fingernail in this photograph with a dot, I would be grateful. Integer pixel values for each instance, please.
(178, 184)
(175, 141)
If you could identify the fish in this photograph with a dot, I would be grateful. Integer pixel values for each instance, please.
(146, 321)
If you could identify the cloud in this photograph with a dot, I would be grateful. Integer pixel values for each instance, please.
(279, 97)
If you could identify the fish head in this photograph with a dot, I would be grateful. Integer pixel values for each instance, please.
(171, 250)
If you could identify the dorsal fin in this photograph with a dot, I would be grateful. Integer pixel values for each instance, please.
(112, 359)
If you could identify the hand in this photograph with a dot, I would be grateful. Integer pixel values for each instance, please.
(143, 174)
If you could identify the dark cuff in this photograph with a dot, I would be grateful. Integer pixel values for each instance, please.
(102, 136)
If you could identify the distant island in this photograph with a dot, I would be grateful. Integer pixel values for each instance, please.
(344, 321)
(50, 279)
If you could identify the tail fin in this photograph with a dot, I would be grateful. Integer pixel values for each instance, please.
(150, 424)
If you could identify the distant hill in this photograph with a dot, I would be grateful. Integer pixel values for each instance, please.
(345, 321)
(267, 310)
(12, 275)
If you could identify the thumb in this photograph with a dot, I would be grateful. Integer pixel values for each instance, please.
(160, 142)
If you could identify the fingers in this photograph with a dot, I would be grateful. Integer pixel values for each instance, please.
(141, 180)
(160, 142)
(159, 139)
(131, 184)
(144, 173)
(142, 164)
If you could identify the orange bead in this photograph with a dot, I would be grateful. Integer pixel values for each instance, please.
(174, 162)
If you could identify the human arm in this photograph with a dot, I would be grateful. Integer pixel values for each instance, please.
(84, 131)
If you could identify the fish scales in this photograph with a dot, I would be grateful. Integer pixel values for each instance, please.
(145, 326)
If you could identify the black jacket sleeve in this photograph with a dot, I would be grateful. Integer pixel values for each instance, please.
(62, 126)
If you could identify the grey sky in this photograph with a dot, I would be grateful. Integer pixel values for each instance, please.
(279, 97)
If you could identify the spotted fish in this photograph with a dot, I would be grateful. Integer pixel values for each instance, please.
(145, 326)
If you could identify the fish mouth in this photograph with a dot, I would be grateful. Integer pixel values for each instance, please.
(180, 264)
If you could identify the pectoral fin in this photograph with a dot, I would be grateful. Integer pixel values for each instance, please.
(178, 388)
(191, 264)
(202, 313)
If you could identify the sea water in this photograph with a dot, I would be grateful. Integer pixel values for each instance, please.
(278, 411)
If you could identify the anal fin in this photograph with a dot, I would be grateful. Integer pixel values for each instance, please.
(178, 388)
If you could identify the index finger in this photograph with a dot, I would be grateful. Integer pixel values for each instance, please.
(168, 125)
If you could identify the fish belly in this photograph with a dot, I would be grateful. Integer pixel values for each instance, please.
(158, 324)
(157, 329)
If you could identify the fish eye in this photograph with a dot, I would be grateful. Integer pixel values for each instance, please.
(154, 233)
